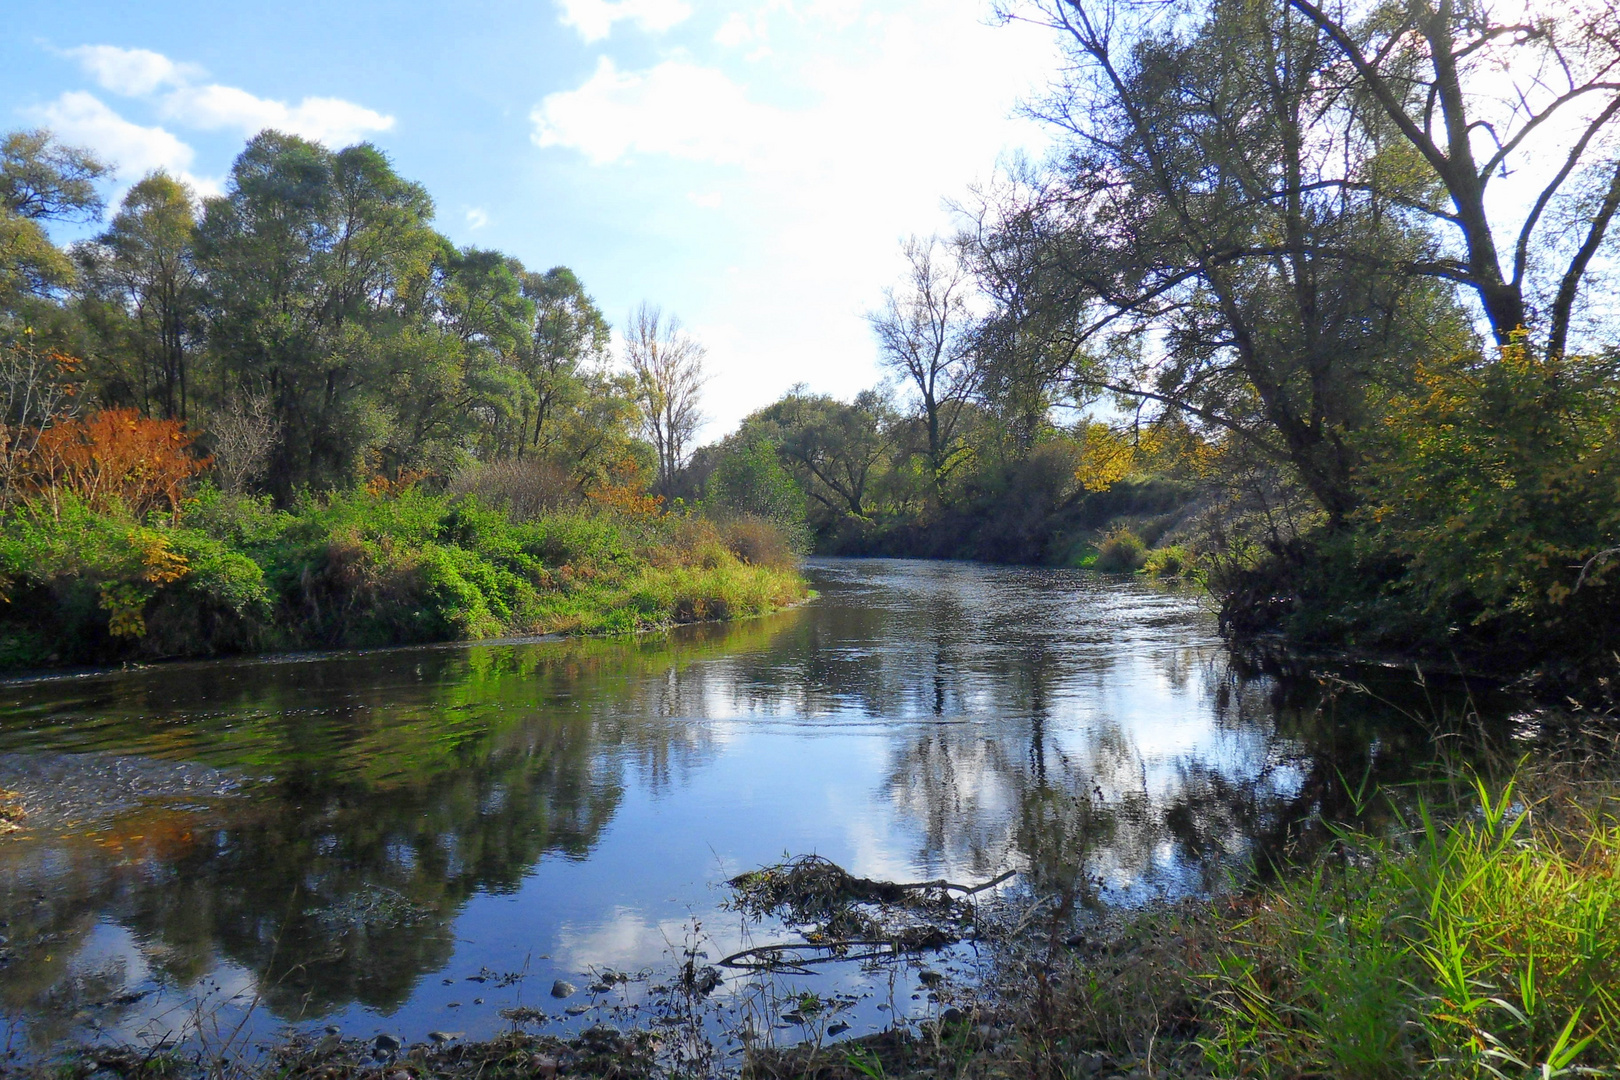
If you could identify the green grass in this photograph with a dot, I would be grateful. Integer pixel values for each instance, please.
(1486, 946)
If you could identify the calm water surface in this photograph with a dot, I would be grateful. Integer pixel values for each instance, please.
(346, 838)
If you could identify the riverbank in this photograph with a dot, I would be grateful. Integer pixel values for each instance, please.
(228, 575)
(1473, 937)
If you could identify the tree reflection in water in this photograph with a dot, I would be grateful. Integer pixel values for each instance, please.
(333, 817)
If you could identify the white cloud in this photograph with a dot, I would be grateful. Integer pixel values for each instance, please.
(477, 217)
(594, 19)
(736, 31)
(81, 119)
(676, 108)
(332, 121)
(186, 100)
(132, 72)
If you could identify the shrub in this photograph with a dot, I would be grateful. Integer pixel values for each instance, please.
(759, 542)
(1496, 485)
(1120, 552)
(82, 587)
(1171, 561)
(525, 489)
(116, 457)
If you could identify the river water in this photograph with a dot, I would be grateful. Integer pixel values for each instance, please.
(355, 839)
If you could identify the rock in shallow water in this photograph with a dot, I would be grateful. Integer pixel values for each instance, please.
(562, 988)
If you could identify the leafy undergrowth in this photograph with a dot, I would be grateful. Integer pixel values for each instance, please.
(231, 574)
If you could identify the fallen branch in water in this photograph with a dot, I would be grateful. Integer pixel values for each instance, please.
(920, 940)
(849, 912)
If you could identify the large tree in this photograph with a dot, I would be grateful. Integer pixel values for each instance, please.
(144, 267)
(320, 268)
(1226, 232)
(1479, 101)
(41, 181)
(569, 342)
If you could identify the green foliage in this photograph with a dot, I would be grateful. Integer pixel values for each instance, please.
(749, 479)
(1171, 561)
(362, 568)
(1120, 552)
(80, 586)
(1498, 485)
(310, 325)
(40, 180)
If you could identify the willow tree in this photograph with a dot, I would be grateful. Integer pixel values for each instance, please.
(1226, 231)
(320, 266)
(1529, 103)
(144, 267)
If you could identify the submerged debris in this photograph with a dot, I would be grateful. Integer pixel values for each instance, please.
(836, 912)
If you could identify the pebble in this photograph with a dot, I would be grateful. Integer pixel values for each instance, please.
(576, 1010)
(439, 1038)
(562, 989)
(837, 1029)
(385, 1044)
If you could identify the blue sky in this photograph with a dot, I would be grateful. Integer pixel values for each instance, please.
(749, 165)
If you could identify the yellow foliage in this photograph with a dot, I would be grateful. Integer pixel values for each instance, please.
(623, 490)
(125, 601)
(1107, 456)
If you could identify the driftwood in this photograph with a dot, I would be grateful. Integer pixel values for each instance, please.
(886, 918)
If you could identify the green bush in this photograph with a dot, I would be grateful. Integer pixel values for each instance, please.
(1120, 552)
(82, 587)
(1171, 561)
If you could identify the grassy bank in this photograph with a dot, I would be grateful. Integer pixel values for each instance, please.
(1480, 940)
(231, 574)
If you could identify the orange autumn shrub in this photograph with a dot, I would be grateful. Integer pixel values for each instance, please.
(623, 490)
(116, 456)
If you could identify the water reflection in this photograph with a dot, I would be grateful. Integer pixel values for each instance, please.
(349, 836)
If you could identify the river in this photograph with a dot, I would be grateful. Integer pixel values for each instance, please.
(413, 839)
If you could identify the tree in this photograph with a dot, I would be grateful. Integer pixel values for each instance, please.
(835, 449)
(321, 268)
(1226, 233)
(1475, 98)
(569, 336)
(666, 364)
(41, 180)
(925, 333)
(145, 264)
